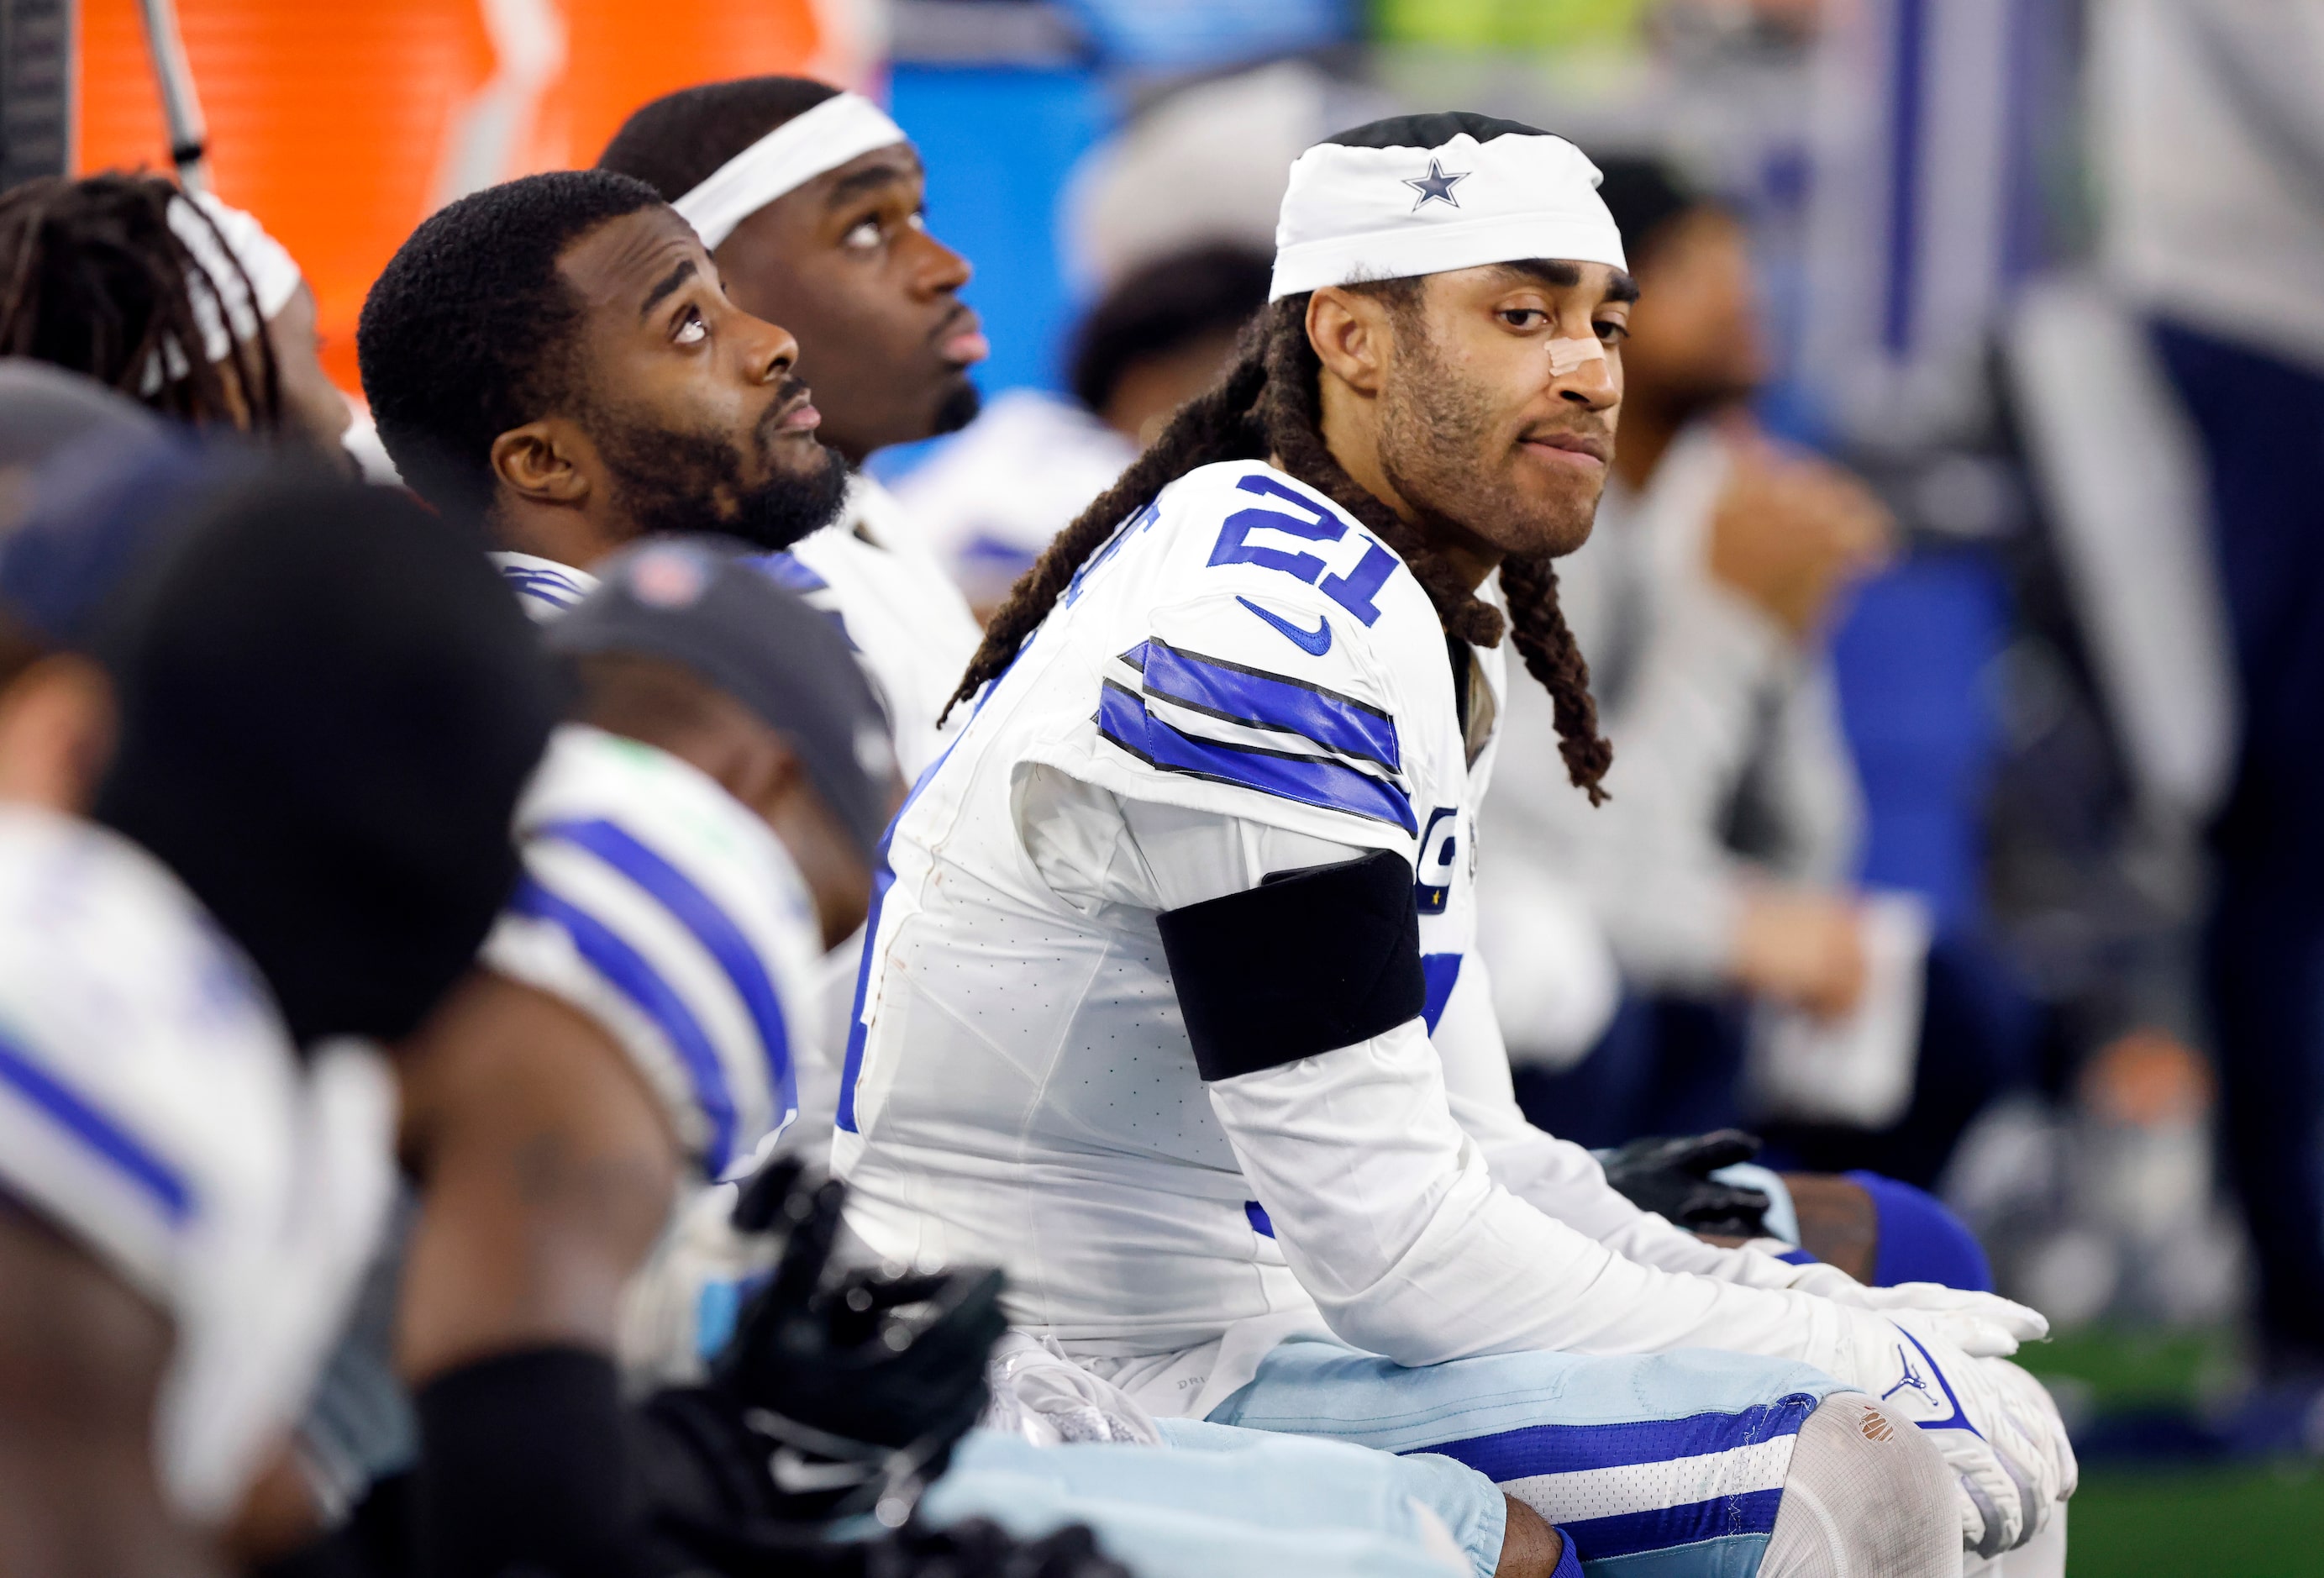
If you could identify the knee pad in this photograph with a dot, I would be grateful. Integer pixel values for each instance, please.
(1920, 1240)
(1867, 1496)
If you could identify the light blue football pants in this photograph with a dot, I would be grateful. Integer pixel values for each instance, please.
(1217, 1502)
(1669, 1465)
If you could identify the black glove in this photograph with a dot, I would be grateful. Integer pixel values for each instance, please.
(1673, 1177)
(841, 1392)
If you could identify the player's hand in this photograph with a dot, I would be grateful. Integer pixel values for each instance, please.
(2007, 1451)
(1984, 1325)
(2036, 1412)
(1673, 1178)
(1790, 530)
(1803, 949)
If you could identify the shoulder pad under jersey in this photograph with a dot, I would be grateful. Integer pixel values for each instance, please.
(1278, 654)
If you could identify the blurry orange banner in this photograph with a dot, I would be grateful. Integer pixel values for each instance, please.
(342, 125)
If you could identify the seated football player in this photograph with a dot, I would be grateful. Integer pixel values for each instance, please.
(177, 299)
(551, 464)
(194, 1128)
(1169, 1008)
(809, 200)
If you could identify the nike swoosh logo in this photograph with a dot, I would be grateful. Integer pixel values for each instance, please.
(1314, 642)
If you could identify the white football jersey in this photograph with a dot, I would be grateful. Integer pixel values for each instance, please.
(911, 627)
(1243, 680)
(660, 906)
(152, 1108)
(869, 570)
(543, 587)
(1240, 646)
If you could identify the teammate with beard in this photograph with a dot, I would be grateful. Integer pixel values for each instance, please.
(811, 200)
(1168, 1007)
(194, 1133)
(532, 354)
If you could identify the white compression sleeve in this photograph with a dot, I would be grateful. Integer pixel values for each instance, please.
(1385, 1206)
(1555, 1176)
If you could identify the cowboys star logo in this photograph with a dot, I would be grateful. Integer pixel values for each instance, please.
(1437, 187)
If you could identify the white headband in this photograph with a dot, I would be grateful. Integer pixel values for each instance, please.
(1358, 213)
(794, 153)
(231, 315)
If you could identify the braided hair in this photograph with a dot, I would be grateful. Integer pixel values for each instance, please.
(94, 279)
(1266, 403)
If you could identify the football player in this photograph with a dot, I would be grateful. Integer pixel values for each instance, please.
(1169, 1007)
(194, 1122)
(180, 300)
(811, 202)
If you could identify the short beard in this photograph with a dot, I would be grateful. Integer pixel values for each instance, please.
(1435, 429)
(962, 400)
(681, 481)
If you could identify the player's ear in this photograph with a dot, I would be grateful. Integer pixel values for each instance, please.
(1350, 334)
(543, 462)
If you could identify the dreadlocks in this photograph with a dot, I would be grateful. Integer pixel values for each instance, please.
(1265, 404)
(94, 279)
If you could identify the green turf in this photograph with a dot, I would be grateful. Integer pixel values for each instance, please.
(2218, 1523)
(2127, 1368)
(2244, 1521)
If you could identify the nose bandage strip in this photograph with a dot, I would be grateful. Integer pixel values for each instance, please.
(1567, 356)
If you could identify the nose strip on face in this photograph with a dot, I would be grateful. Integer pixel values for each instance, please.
(1569, 355)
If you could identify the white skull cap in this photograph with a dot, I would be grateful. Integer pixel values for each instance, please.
(1425, 194)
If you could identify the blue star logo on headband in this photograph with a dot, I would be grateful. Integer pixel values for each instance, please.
(1437, 187)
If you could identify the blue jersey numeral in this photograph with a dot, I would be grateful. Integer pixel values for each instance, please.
(1353, 591)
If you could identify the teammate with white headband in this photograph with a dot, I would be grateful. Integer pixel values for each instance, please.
(1171, 1010)
(810, 200)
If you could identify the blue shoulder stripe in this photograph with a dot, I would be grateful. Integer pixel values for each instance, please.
(542, 584)
(1267, 701)
(785, 570)
(712, 926)
(1123, 718)
(638, 981)
(97, 1131)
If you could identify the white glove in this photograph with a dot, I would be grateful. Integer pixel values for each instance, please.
(1984, 1325)
(2036, 1418)
(1992, 1422)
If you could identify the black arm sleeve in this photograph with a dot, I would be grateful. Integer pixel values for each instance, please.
(523, 1468)
(1306, 962)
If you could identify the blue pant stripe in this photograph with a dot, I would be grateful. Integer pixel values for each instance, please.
(1628, 1532)
(1565, 1449)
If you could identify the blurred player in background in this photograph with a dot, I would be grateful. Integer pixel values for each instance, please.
(1722, 864)
(1236, 722)
(991, 499)
(197, 1145)
(181, 302)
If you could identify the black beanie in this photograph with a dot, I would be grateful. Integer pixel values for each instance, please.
(330, 705)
